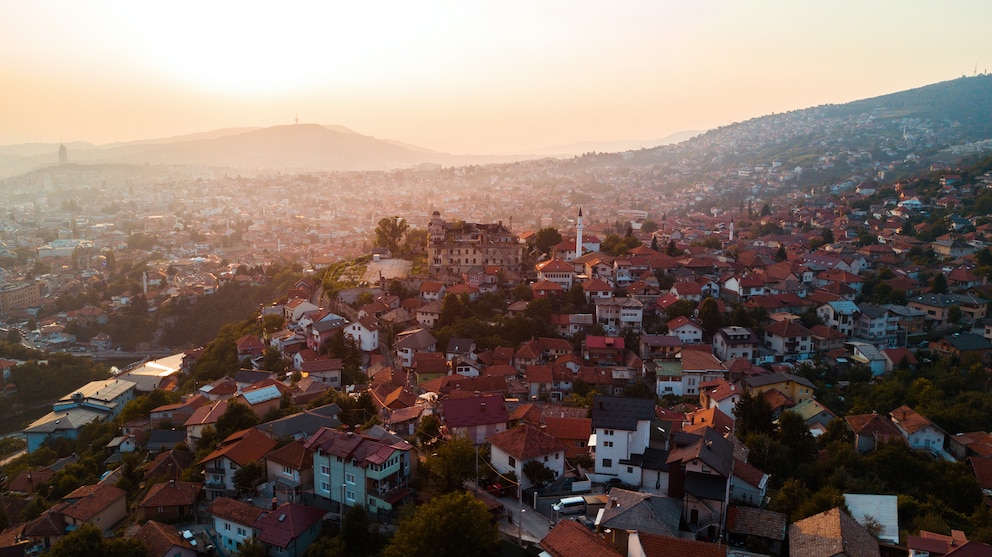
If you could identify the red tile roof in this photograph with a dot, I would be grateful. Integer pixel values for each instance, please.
(172, 494)
(160, 539)
(473, 411)
(234, 510)
(243, 447)
(286, 523)
(525, 442)
(568, 428)
(664, 546)
(570, 539)
(90, 500)
(293, 454)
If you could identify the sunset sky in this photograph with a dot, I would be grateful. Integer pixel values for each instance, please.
(463, 76)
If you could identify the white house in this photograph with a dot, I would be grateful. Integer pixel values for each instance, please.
(365, 332)
(687, 330)
(514, 448)
(622, 430)
(233, 521)
(919, 432)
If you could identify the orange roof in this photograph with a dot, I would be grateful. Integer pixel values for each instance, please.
(569, 538)
(525, 442)
(243, 447)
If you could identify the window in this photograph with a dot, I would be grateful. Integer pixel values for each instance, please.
(325, 470)
(608, 432)
(227, 526)
(545, 458)
(607, 463)
(287, 470)
(324, 486)
(349, 495)
(349, 478)
(630, 469)
(241, 531)
(607, 444)
(511, 461)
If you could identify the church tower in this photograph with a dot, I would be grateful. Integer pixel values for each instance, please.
(578, 236)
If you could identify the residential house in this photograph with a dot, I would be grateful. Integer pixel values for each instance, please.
(237, 450)
(355, 469)
(664, 347)
(748, 485)
(734, 342)
(323, 370)
(870, 430)
(288, 529)
(700, 468)
(431, 291)
(877, 325)
(176, 414)
(963, 345)
(428, 314)
(876, 511)
(831, 533)
(289, 472)
(572, 432)
(428, 366)
(557, 271)
(233, 522)
(514, 448)
(171, 501)
(100, 505)
(840, 315)
(869, 356)
(411, 342)
(168, 465)
(630, 515)
(621, 427)
(476, 417)
(568, 538)
(552, 381)
(794, 387)
(919, 432)
(740, 288)
(203, 417)
(596, 289)
(603, 350)
(699, 366)
(766, 527)
(789, 340)
(323, 326)
(249, 346)
(365, 332)
(163, 540)
(687, 330)
(262, 400)
(936, 307)
(619, 314)
(815, 414)
(721, 394)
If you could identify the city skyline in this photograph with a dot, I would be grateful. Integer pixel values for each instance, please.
(458, 77)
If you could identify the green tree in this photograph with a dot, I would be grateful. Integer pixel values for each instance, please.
(649, 226)
(451, 525)
(389, 233)
(430, 428)
(939, 284)
(547, 238)
(247, 478)
(451, 465)
(537, 473)
(672, 250)
(253, 548)
(781, 254)
(88, 540)
(954, 314)
(709, 314)
(235, 418)
(827, 235)
(795, 435)
(753, 415)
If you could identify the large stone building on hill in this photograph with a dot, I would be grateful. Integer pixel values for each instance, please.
(453, 248)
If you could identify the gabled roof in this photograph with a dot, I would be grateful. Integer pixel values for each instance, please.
(363, 450)
(89, 500)
(750, 521)
(909, 420)
(633, 510)
(831, 533)
(235, 511)
(293, 454)
(526, 442)
(571, 539)
(788, 328)
(172, 494)
(160, 539)
(568, 428)
(622, 413)
(242, 447)
(711, 448)
(286, 523)
(777, 377)
(473, 411)
(667, 546)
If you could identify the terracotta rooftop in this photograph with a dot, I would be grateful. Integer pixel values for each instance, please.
(89, 500)
(666, 546)
(161, 538)
(284, 524)
(525, 442)
(243, 447)
(172, 494)
(571, 539)
(831, 532)
(234, 510)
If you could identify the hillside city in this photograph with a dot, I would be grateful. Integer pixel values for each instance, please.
(711, 348)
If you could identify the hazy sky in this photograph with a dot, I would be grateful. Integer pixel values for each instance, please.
(463, 76)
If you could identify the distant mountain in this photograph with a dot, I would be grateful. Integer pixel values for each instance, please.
(929, 123)
(289, 148)
(580, 147)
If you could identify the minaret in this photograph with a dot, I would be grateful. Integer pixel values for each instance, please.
(63, 154)
(731, 229)
(578, 236)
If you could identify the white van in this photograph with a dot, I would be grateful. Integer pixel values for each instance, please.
(570, 505)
